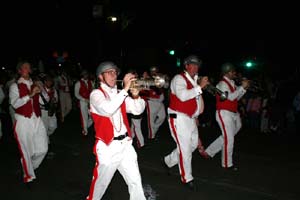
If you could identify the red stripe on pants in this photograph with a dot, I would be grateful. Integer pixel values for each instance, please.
(225, 140)
(95, 175)
(180, 153)
(24, 164)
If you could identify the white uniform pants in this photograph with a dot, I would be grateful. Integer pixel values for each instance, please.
(230, 124)
(32, 141)
(65, 103)
(185, 133)
(118, 155)
(136, 131)
(50, 122)
(156, 115)
(85, 117)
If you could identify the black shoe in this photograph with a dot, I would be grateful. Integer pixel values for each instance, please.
(232, 168)
(152, 140)
(29, 185)
(142, 149)
(166, 167)
(191, 185)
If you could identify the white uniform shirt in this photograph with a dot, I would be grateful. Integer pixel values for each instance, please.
(111, 106)
(178, 87)
(14, 96)
(44, 92)
(237, 94)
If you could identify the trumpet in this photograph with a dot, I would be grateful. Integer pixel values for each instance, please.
(214, 90)
(145, 84)
(37, 86)
(253, 85)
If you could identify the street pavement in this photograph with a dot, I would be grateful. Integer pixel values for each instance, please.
(268, 168)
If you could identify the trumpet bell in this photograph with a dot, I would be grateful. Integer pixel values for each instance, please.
(160, 81)
(144, 84)
(147, 83)
(214, 90)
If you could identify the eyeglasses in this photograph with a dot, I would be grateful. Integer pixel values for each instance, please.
(112, 72)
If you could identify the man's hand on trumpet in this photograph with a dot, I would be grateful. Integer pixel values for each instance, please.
(203, 81)
(129, 84)
(35, 90)
(245, 83)
(127, 81)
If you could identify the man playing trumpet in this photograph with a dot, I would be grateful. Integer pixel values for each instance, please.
(29, 131)
(227, 117)
(186, 104)
(49, 104)
(113, 146)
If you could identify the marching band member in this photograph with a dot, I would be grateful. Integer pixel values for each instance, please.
(113, 147)
(62, 84)
(82, 91)
(227, 117)
(29, 129)
(186, 104)
(48, 103)
(156, 111)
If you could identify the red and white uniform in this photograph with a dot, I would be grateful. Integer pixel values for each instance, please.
(108, 108)
(82, 91)
(63, 86)
(156, 112)
(186, 104)
(50, 122)
(29, 129)
(228, 119)
(136, 123)
(136, 130)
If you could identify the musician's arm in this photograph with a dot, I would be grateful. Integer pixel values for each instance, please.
(178, 86)
(242, 91)
(14, 97)
(231, 95)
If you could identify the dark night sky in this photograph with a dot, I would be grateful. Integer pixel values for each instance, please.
(217, 31)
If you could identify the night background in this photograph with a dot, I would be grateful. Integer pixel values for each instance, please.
(146, 30)
(69, 32)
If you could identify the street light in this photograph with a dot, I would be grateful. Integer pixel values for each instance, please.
(112, 18)
(249, 64)
(172, 52)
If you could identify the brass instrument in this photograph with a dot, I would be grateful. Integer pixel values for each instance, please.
(37, 85)
(253, 85)
(214, 90)
(144, 84)
(52, 107)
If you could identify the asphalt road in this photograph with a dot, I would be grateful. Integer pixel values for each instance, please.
(269, 168)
